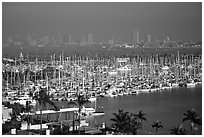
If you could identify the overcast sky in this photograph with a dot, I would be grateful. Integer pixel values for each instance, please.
(179, 21)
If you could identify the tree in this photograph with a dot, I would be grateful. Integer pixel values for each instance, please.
(179, 130)
(15, 122)
(141, 116)
(157, 125)
(193, 118)
(79, 103)
(121, 122)
(17, 109)
(135, 124)
(27, 109)
(42, 97)
(125, 123)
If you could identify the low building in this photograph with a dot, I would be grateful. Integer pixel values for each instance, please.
(6, 114)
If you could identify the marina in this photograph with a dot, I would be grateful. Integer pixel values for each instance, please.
(66, 79)
(101, 68)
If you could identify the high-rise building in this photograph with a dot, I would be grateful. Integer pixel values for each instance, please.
(167, 39)
(53, 40)
(135, 37)
(9, 40)
(59, 38)
(44, 40)
(70, 39)
(138, 41)
(149, 38)
(83, 42)
(111, 42)
(29, 39)
(90, 38)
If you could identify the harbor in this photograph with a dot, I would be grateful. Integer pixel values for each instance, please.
(101, 68)
(66, 78)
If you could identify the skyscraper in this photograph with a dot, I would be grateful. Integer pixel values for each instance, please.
(59, 38)
(83, 42)
(90, 38)
(44, 40)
(138, 41)
(135, 37)
(70, 39)
(149, 38)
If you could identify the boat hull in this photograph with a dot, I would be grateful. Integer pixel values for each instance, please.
(97, 114)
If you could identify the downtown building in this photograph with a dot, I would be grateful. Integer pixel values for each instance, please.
(135, 37)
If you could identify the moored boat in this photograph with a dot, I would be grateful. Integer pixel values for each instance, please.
(92, 99)
(189, 85)
(24, 99)
(175, 85)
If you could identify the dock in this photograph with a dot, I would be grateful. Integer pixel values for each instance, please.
(87, 110)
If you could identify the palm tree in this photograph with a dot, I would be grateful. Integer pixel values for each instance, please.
(27, 109)
(141, 116)
(179, 130)
(121, 122)
(134, 124)
(193, 118)
(42, 97)
(157, 125)
(79, 103)
(125, 123)
(17, 109)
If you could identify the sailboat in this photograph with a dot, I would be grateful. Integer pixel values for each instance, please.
(92, 99)
(190, 83)
(98, 112)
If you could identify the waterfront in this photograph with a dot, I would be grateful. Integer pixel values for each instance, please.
(167, 106)
(101, 68)
(159, 85)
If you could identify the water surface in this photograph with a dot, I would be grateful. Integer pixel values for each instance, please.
(167, 106)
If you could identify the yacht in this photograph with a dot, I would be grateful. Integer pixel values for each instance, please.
(92, 99)
(191, 84)
(174, 85)
(25, 98)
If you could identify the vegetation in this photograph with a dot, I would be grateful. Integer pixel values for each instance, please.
(125, 123)
(27, 117)
(43, 98)
(79, 103)
(157, 125)
(179, 130)
(141, 116)
(193, 118)
(15, 122)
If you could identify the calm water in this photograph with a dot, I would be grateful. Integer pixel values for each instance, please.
(167, 106)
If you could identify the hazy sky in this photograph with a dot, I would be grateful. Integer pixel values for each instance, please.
(179, 21)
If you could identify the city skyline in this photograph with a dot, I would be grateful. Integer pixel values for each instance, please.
(104, 20)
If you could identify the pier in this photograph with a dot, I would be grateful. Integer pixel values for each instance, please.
(63, 110)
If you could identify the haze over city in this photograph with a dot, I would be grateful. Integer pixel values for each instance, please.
(102, 68)
(179, 21)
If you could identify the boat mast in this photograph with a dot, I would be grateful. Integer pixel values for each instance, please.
(11, 75)
(15, 72)
(95, 104)
(7, 80)
(59, 70)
